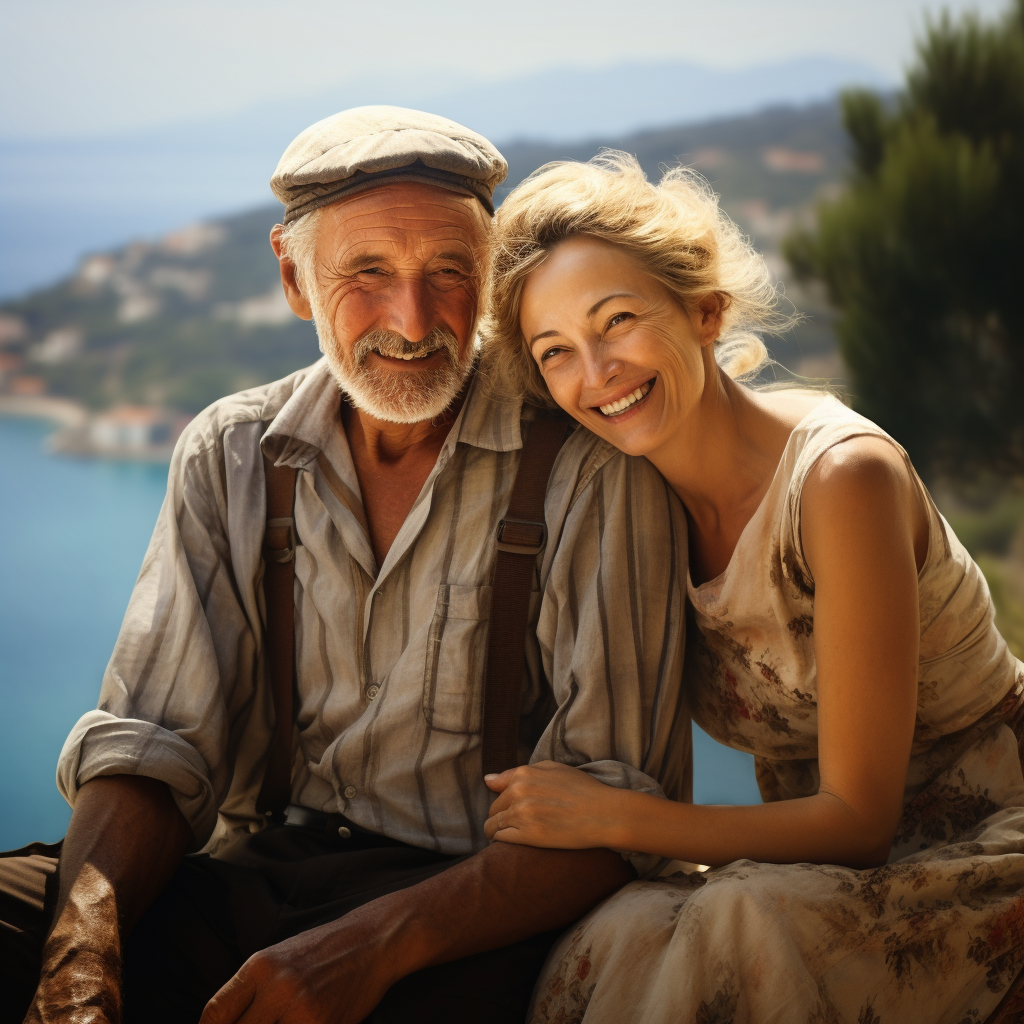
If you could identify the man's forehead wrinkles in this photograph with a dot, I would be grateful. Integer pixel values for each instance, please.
(418, 223)
(396, 244)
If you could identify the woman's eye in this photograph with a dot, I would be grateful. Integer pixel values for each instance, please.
(619, 318)
(548, 353)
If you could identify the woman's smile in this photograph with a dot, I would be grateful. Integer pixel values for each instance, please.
(616, 350)
(629, 402)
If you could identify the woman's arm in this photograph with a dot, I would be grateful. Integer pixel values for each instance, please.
(864, 532)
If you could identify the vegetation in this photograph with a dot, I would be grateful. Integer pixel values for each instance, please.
(922, 257)
(179, 322)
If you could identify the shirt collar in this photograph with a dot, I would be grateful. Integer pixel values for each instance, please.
(302, 423)
(487, 422)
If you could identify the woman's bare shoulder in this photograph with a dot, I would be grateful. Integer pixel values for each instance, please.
(864, 480)
(792, 405)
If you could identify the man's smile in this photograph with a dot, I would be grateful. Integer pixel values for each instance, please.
(410, 360)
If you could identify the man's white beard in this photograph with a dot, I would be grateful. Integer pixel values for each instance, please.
(396, 396)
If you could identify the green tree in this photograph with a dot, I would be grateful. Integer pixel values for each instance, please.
(922, 254)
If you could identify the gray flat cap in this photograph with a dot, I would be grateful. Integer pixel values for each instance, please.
(365, 147)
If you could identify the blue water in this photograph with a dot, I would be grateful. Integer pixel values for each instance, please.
(72, 537)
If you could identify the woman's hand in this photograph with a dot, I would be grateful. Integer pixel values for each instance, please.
(552, 805)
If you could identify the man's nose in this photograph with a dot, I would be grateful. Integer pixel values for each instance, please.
(410, 309)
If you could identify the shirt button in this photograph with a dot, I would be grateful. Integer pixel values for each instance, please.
(345, 833)
(350, 791)
(372, 691)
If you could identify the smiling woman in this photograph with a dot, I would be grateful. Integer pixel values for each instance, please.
(677, 234)
(836, 629)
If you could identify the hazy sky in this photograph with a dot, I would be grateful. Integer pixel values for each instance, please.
(74, 68)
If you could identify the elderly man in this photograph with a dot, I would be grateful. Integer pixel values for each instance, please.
(374, 895)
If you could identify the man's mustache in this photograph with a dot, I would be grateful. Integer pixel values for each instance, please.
(394, 345)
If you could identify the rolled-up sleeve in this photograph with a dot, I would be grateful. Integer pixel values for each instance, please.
(178, 693)
(611, 633)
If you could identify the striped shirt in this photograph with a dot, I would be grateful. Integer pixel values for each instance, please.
(390, 659)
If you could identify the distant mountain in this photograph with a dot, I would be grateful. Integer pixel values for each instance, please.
(62, 197)
(199, 313)
(577, 104)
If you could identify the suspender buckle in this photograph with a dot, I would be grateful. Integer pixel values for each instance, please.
(522, 536)
(287, 553)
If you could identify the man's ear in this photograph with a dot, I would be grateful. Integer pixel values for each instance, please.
(296, 300)
(709, 311)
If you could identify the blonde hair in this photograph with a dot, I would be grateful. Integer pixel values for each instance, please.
(676, 230)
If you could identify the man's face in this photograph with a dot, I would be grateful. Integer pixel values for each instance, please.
(395, 301)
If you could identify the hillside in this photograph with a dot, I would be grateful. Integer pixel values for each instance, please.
(182, 320)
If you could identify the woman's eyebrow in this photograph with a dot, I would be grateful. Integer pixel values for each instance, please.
(546, 334)
(590, 312)
(615, 295)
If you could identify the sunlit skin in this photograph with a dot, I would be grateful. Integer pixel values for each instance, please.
(405, 258)
(599, 326)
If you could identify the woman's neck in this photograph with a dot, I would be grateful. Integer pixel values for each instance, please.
(721, 460)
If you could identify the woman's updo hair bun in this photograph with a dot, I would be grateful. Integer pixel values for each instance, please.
(675, 229)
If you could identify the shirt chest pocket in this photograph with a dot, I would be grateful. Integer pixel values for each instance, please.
(453, 684)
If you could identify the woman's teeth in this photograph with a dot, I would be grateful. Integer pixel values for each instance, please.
(614, 408)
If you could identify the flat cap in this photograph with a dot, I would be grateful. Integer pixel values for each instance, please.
(365, 147)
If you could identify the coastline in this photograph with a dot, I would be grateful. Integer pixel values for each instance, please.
(73, 431)
(63, 412)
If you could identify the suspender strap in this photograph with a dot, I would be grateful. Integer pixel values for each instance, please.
(278, 597)
(521, 537)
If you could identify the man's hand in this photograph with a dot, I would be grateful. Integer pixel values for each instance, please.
(339, 972)
(334, 974)
(125, 840)
(552, 805)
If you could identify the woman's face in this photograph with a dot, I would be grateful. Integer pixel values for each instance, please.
(616, 349)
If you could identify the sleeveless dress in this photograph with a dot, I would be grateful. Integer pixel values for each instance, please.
(935, 935)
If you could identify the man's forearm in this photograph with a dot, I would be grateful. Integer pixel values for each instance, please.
(499, 896)
(128, 830)
(125, 840)
(341, 970)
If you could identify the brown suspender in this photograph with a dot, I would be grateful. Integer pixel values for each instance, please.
(521, 536)
(278, 597)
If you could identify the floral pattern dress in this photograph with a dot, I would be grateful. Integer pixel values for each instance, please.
(936, 935)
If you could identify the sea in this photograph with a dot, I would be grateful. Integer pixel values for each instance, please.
(72, 536)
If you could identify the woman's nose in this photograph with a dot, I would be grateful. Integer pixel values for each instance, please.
(603, 367)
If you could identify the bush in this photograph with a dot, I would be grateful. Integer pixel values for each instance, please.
(922, 254)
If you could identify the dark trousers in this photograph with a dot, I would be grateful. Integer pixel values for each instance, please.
(215, 913)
